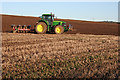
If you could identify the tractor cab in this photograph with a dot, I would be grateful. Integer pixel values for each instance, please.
(49, 18)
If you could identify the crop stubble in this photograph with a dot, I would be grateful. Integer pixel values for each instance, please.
(52, 55)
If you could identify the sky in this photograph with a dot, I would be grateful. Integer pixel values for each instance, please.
(90, 11)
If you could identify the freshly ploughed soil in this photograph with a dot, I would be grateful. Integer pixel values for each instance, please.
(83, 27)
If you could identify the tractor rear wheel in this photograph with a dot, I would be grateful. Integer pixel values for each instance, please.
(41, 27)
(59, 29)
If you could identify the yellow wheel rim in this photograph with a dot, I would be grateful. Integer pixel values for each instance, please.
(40, 28)
(58, 29)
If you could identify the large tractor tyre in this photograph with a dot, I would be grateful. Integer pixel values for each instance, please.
(59, 29)
(41, 27)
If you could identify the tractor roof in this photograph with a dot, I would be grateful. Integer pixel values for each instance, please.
(47, 14)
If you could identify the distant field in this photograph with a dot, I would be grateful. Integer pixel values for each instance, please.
(82, 27)
(52, 55)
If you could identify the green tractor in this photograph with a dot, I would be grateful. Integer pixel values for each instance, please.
(47, 23)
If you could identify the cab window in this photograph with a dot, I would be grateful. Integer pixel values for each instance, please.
(48, 18)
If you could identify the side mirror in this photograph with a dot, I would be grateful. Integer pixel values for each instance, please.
(40, 16)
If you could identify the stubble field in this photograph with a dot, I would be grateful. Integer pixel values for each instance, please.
(59, 56)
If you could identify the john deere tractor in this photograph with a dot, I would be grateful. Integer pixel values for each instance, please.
(47, 23)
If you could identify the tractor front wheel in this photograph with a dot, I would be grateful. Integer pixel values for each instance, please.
(59, 29)
(41, 27)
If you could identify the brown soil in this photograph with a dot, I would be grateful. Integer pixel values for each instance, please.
(84, 27)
